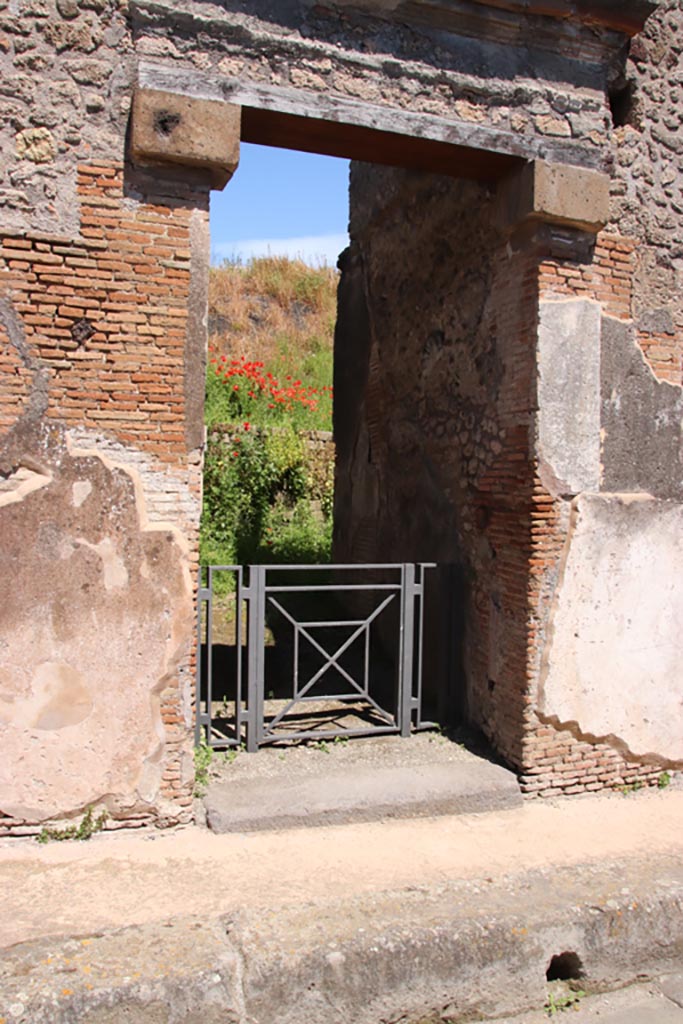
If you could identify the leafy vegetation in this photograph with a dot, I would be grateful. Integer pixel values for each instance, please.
(81, 832)
(559, 1002)
(267, 495)
(203, 756)
(206, 759)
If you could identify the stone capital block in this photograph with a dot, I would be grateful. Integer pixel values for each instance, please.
(556, 194)
(169, 128)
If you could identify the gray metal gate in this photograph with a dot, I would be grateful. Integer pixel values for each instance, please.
(309, 652)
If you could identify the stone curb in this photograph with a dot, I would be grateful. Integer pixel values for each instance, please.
(458, 952)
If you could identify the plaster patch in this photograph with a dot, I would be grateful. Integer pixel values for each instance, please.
(612, 664)
(165, 499)
(59, 698)
(149, 782)
(20, 484)
(568, 417)
(113, 566)
(80, 491)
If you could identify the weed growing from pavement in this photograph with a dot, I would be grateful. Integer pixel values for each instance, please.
(82, 832)
(321, 745)
(664, 780)
(565, 1001)
(205, 757)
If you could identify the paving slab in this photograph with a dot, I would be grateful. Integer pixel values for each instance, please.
(659, 1012)
(454, 952)
(373, 779)
(343, 795)
(640, 1003)
(673, 989)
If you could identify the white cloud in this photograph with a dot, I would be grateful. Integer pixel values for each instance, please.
(312, 249)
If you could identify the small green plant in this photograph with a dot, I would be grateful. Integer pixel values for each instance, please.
(87, 828)
(565, 1001)
(232, 752)
(664, 780)
(631, 787)
(321, 745)
(203, 757)
(339, 741)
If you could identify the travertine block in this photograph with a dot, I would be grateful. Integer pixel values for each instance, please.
(195, 132)
(557, 194)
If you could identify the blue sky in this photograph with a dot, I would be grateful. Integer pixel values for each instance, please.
(281, 203)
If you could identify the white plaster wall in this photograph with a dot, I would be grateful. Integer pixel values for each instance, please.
(568, 418)
(613, 666)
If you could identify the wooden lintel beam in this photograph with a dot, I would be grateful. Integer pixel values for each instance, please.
(314, 135)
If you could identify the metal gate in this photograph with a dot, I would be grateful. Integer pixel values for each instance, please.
(309, 652)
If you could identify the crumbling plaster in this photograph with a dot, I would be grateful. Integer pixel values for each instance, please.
(568, 389)
(604, 421)
(94, 629)
(612, 664)
(610, 669)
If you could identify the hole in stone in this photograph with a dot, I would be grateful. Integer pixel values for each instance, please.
(165, 122)
(565, 966)
(622, 104)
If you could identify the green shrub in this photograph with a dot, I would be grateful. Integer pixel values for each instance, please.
(258, 489)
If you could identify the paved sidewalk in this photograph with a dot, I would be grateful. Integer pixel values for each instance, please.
(657, 1002)
(423, 919)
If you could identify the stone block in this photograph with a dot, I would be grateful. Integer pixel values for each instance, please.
(556, 194)
(168, 128)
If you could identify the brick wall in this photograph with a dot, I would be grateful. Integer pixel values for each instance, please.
(106, 314)
(607, 278)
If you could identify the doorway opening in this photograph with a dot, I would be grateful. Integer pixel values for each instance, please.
(431, 369)
(277, 231)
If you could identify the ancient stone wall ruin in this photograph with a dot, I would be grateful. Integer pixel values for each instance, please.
(563, 505)
(542, 400)
(437, 467)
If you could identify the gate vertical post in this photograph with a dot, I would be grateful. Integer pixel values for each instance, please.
(204, 681)
(203, 594)
(255, 656)
(405, 681)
